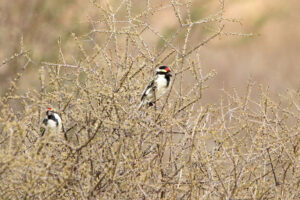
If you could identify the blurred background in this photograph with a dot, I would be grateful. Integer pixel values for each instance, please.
(270, 57)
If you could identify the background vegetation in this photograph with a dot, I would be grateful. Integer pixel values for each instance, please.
(204, 140)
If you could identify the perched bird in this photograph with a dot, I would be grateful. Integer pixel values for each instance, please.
(52, 121)
(157, 87)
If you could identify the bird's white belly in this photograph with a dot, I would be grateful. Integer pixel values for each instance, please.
(161, 86)
(51, 124)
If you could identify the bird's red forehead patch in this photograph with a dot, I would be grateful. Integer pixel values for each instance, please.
(49, 108)
(168, 69)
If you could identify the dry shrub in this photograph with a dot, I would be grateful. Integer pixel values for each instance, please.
(242, 147)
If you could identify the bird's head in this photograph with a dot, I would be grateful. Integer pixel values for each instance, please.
(164, 70)
(51, 114)
(50, 111)
(52, 118)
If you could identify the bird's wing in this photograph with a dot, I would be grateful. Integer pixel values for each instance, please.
(42, 130)
(151, 84)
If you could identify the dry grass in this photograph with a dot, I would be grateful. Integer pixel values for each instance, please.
(241, 147)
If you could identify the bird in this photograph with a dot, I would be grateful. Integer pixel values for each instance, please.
(157, 87)
(52, 121)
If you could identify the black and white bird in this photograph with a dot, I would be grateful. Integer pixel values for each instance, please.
(157, 87)
(52, 121)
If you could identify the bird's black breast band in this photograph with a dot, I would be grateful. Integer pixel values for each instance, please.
(168, 80)
(53, 118)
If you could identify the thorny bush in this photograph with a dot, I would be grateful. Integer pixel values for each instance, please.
(241, 147)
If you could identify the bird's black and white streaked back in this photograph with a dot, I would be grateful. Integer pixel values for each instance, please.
(157, 87)
(52, 121)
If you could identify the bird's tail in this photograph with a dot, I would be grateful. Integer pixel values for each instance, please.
(141, 104)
